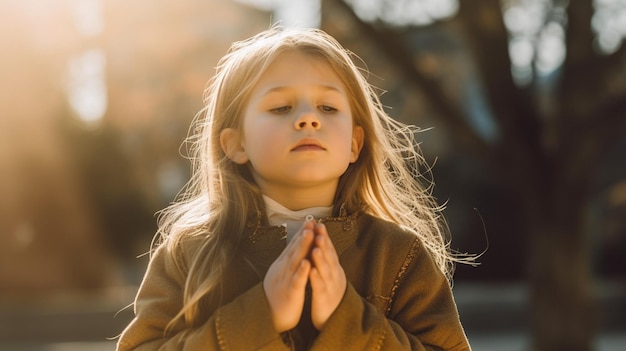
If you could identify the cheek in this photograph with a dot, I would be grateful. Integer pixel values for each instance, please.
(259, 136)
(252, 134)
(347, 135)
(262, 147)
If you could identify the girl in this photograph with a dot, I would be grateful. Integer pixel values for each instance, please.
(303, 226)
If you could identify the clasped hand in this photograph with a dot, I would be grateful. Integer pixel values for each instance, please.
(309, 257)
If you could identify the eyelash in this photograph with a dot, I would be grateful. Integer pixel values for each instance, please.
(327, 109)
(281, 109)
(287, 108)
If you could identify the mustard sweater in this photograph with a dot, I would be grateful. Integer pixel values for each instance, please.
(396, 297)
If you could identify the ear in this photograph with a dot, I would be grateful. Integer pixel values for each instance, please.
(231, 144)
(358, 136)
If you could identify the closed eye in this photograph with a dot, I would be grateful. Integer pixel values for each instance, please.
(281, 109)
(327, 109)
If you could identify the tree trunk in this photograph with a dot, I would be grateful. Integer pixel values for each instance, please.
(544, 158)
(560, 283)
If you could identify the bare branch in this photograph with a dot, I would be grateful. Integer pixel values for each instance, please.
(396, 51)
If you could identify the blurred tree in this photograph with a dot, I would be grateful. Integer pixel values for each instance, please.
(51, 241)
(82, 175)
(542, 129)
(159, 60)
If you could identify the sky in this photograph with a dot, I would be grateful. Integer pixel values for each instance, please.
(292, 13)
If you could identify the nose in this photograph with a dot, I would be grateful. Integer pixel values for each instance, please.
(307, 119)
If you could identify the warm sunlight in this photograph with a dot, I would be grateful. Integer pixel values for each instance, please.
(518, 108)
(96, 96)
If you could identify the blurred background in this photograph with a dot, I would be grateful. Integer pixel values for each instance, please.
(522, 105)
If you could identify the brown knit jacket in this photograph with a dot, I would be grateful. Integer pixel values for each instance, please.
(396, 298)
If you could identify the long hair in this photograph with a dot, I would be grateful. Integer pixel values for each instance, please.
(214, 207)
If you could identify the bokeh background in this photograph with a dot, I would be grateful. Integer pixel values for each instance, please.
(522, 105)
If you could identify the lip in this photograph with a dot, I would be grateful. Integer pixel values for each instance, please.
(308, 144)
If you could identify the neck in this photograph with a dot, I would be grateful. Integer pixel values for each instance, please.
(301, 199)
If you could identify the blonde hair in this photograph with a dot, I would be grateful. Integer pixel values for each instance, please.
(216, 203)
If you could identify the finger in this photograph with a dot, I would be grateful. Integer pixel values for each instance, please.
(321, 264)
(299, 247)
(301, 275)
(302, 237)
(323, 242)
(329, 282)
(320, 229)
(297, 238)
(310, 226)
(288, 262)
(322, 233)
(317, 282)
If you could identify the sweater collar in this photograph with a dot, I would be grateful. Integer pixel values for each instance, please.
(264, 243)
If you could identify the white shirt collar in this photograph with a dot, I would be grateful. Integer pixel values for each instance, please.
(278, 214)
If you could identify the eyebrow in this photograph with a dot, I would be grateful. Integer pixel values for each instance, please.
(321, 87)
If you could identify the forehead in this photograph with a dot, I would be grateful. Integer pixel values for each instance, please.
(296, 67)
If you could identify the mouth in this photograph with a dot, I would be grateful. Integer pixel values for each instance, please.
(308, 145)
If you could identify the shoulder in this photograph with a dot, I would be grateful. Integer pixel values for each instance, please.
(387, 242)
(385, 232)
(400, 247)
(383, 257)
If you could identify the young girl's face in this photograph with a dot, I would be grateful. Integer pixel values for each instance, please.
(298, 132)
